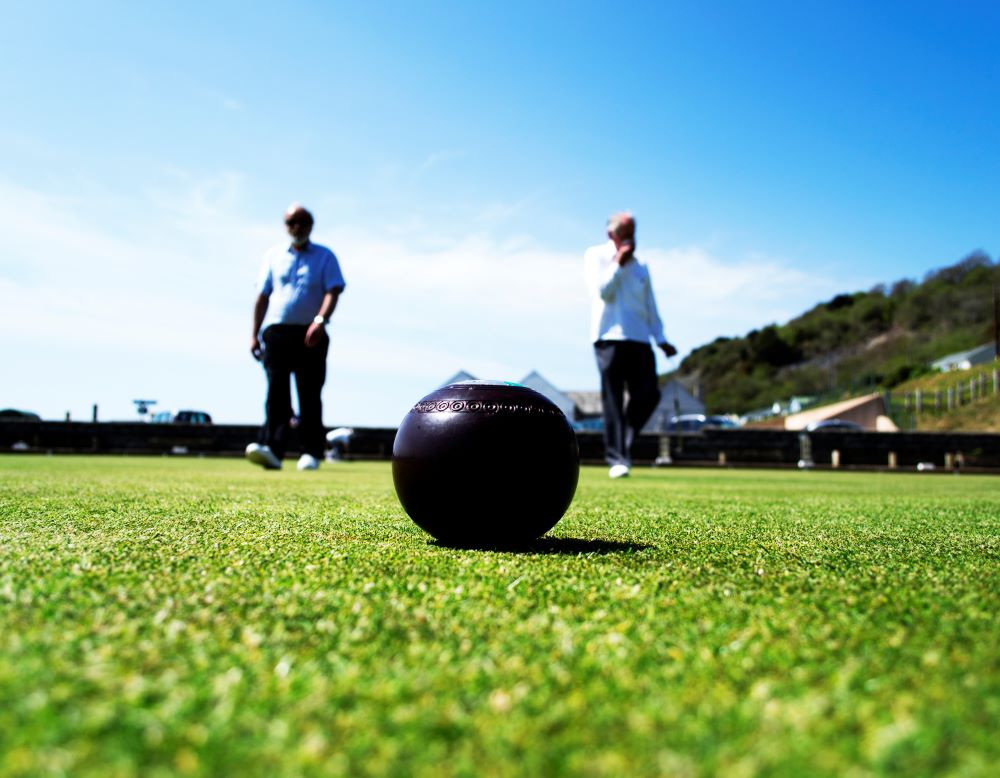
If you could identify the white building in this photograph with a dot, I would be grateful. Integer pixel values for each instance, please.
(583, 408)
(963, 360)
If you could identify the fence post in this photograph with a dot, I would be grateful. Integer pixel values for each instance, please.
(951, 398)
(937, 401)
(918, 401)
(996, 380)
(972, 390)
(664, 457)
(805, 451)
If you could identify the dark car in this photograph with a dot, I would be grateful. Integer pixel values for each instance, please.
(695, 422)
(12, 414)
(834, 425)
(181, 417)
(588, 425)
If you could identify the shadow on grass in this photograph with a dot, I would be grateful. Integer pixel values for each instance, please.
(571, 546)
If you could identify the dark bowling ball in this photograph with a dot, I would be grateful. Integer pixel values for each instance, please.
(485, 463)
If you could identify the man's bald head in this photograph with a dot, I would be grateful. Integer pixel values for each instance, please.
(297, 211)
(299, 222)
(621, 226)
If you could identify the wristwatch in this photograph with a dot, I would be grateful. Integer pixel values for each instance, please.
(320, 320)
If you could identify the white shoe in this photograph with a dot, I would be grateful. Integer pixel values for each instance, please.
(308, 462)
(263, 456)
(619, 471)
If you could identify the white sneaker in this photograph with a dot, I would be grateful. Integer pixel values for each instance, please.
(619, 471)
(308, 462)
(263, 456)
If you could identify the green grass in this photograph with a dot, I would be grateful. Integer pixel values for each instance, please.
(162, 616)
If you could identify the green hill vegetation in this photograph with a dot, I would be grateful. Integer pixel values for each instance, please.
(853, 343)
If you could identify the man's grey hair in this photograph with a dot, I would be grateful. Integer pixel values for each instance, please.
(298, 207)
(616, 220)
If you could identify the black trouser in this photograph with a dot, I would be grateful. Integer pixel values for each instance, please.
(625, 364)
(285, 352)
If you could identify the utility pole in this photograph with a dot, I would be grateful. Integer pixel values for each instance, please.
(996, 323)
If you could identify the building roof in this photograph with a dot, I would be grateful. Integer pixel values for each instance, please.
(587, 402)
(461, 375)
(535, 380)
(868, 410)
(963, 359)
(540, 383)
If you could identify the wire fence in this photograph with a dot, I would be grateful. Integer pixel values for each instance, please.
(906, 408)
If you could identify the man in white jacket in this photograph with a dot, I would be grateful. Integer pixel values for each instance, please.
(624, 322)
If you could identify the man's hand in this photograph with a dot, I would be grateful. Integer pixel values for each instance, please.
(315, 335)
(259, 311)
(668, 349)
(625, 251)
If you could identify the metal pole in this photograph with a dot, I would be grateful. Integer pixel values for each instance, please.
(996, 322)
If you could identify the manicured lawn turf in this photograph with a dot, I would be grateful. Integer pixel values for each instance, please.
(200, 616)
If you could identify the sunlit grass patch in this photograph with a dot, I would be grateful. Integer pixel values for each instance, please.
(205, 617)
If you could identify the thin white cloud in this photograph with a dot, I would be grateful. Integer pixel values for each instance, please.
(702, 296)
(486, 282)
(496, 214)
(106, 294)
(221, 99)
(157, 299)
(438, 158)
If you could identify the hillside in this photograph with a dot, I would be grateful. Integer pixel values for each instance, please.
(855, 342)
(974, 399)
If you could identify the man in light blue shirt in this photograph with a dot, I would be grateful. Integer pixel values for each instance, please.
(297, 292)
(624, 321)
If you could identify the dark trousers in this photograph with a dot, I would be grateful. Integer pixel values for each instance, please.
(625, 364)
(285, 353)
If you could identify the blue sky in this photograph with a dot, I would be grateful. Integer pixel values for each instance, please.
(459, 158)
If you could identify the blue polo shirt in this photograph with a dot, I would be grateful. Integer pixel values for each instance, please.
(295, 280)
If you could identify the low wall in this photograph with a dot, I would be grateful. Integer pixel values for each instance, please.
(142, 438)
(854, 449)
(747, 447)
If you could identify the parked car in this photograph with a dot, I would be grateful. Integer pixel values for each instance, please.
(695, 422)
(338, 443)
(12, 414)
(834, 425)
(588, 425)
(181, 417)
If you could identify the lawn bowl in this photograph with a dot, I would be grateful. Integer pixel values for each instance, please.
(485, 463)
